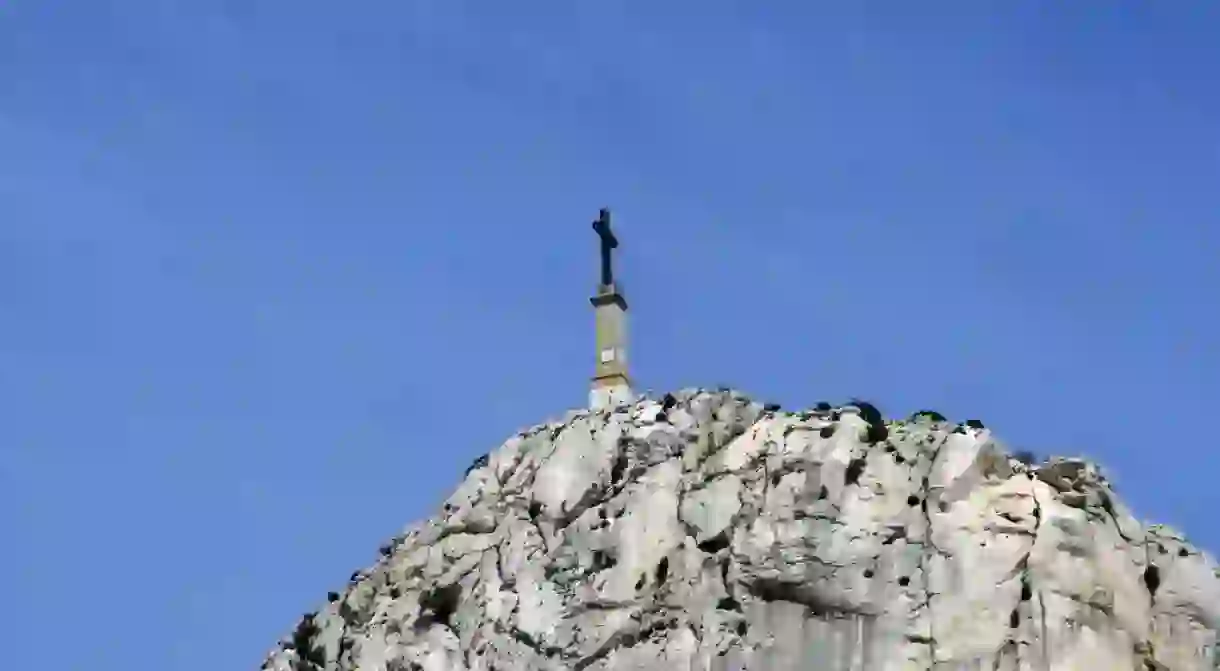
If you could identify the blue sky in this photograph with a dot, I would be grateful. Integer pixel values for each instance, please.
(272, 274)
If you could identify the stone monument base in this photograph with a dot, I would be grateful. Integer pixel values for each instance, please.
(611, 396)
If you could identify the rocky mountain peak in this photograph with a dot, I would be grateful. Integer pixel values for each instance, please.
(703, 530)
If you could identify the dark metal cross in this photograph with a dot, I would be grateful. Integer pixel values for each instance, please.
(608, 242)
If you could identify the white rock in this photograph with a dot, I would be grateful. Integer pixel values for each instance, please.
(698, 532)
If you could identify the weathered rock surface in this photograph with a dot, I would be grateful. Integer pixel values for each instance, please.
(704, 531)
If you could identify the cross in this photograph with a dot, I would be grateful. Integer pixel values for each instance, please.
(608, 242)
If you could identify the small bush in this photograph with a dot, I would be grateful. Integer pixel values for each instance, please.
(868, 411)
(930, 414)
(481, 462)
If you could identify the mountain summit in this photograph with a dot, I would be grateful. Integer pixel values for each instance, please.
(704, 531)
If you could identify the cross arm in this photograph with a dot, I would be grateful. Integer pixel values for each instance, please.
(602, 226)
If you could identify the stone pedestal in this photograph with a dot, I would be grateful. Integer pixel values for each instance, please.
(605, 398)
(611, 386)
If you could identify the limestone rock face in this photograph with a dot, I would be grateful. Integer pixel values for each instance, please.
(707, 532)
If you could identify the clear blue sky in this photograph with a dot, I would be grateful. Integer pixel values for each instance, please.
(272, 274)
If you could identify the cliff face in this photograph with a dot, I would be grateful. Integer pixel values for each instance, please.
(704, 531)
